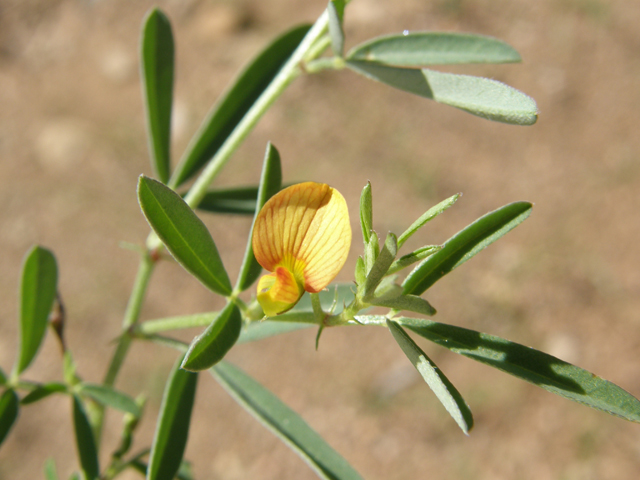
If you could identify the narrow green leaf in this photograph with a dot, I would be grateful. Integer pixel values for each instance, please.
(3, 377)
(465, 244)
(176, 323)
(37, 294)
(9, 407)
(411, 303)
(284, 423)
(184, 473)
(50, 472)
(366, 212)
(172, 429)
(266, 328)
(419, 49)
(234, 104)
(360, 274)
(85, 441)
(382, 264)
(371, 251)
(183, 233)
(427, 216)
(239, 201)
(270, 184)
(437, 381)
(476, 95)
(43, 391)
(335, 9)
(213, 344)
(110, 397)
(413, 257)
(539, 368)
(156, 55)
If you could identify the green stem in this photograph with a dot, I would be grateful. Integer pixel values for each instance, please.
(175, 323)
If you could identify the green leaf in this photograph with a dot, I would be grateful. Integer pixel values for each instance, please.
(267, 328)
(85, 441)
(360, 274)
(270, 184)
(9, 407)
(420, 49)
(366, 212)
(413, 257)
(284, 423)
(184, 234)
(539, 368)
(239, 200)
(427, 216)
(335, 10)
(3, 377)
(411, 303)
(382, 264)
(465, 244)
(212, 345)
(437, 381)
(172, 429)
(479, 96)
(43, 391)
(50, 472)
(234, 104)
(75, 476)
(37, 294)
(371, 251)
(184, 472)
(110, 397)
(156, 55)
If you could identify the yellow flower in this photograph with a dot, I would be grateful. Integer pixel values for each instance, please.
(302, 235)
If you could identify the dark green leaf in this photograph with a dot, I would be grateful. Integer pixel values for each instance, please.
(184, 472)
(240, 200)
(266, 328)
(421, 49)
(541, 369)
(381, 265)
(37, 294)
(270, 184)
(234, 104)
(480, 96)
(172, 429)
(3, 377)
(213, 344)
(9, 407)
(335, 10)
(156, 54)
(427, 216)
(465, 244)
(43, 391)
(284, 423)
(184, 234)
(437, 381)
(50, 472)
(110, 397)
(366, 212)
(85, 441)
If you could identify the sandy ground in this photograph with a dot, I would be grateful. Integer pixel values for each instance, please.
(72, 143)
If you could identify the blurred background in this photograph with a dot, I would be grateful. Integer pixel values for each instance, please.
(567, 281)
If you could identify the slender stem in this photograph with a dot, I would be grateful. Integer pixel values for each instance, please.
(175, 323)
(131, 316)
(287, 74)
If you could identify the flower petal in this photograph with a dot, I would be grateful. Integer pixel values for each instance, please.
(278, 292)
(306, 229)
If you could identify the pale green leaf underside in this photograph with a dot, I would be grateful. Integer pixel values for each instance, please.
(418, 49)
(480, 96)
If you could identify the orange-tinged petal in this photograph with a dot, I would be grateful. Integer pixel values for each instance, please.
(304, 228)
(278, 292)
